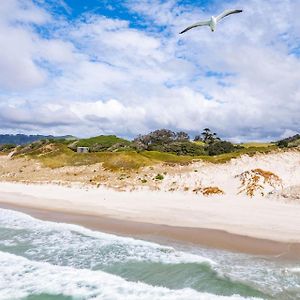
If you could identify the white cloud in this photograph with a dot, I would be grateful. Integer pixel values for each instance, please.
(99, 75)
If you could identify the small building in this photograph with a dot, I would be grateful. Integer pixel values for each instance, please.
(83, 149)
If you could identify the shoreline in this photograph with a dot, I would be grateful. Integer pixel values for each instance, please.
(236, 223)
(210, 238)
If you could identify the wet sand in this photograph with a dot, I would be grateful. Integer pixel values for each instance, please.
(167, 234)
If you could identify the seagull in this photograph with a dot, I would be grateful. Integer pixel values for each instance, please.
(212, 23)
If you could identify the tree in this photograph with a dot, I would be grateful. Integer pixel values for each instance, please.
(209, 137)
(182, 136)
(155, 138)
(220, 147)
(198, 138)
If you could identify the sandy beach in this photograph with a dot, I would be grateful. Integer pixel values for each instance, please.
(256, 208)
(258, 225)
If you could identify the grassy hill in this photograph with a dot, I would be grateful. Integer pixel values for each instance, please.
(55, 154)
(103, 143)
(118, 154)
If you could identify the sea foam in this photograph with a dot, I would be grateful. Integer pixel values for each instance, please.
(45, 237)
(21, 277)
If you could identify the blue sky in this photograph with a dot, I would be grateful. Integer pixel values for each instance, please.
(120, 67)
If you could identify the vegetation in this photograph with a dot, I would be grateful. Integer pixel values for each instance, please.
(159, 139)
(293, 141)
(252, 181)
(159, 177)
(220, 147)
(256, 145)
(167, 158)
(209, 137)
(102, 143)
(117, 154)
(7, 147)
(212, 190)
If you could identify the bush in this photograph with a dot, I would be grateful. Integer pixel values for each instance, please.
(7, 147)
(220, 147)
(283, 144)
(292, 141)
(184, 148)
(159, 177)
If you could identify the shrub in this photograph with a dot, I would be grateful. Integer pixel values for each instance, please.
(159, 177)
(180, 148)
(212, 190)
(283, 144)
(6, 147)
(255, 181)
(220, 147)
(289, 142)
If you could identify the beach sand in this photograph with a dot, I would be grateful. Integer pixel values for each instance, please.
(257, 225)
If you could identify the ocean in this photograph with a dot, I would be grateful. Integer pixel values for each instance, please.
(42, 260)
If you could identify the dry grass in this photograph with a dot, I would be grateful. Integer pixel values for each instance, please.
(170, 158)
(212, 190)
(253, 181)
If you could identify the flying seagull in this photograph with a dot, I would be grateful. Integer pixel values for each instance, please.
(212, 23)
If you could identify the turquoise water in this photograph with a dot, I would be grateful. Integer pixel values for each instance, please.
(46, 260)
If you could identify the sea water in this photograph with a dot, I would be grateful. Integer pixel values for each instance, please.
(47, 260)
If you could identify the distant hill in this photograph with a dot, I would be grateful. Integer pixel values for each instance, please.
(22, 139)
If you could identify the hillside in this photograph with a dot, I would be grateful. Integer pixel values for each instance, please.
(103, 143)
(119, 154)
(55, 154)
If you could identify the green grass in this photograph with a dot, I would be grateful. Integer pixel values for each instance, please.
(200, 143)
(61, 156)
(223, 158)
(104, 140)
(256, 145)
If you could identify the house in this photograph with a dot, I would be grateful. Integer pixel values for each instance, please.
(83, 149)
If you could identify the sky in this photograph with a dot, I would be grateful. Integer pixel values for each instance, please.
(91, 67)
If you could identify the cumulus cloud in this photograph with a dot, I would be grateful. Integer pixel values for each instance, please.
(95, 74)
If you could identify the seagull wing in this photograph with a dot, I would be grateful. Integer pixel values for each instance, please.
(227, 13)
(203, 23)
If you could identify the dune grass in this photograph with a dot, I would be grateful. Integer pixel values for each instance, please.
(223, 158)
(62, 156)
(165, 157)
(57, 155)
